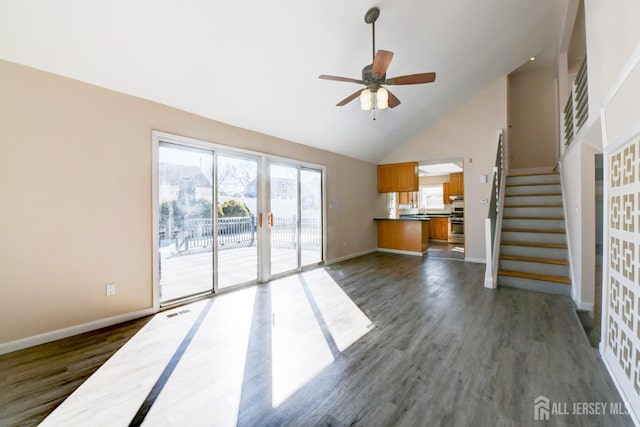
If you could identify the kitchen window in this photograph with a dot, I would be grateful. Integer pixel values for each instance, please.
(431, 197)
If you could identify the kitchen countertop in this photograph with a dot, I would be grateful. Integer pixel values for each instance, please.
(416, 217)
(404, 218)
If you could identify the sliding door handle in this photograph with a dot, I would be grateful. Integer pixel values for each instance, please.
(270, 219)
(260, 220)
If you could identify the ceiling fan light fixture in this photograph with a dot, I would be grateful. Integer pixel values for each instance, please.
(365, 100)
(382, 98)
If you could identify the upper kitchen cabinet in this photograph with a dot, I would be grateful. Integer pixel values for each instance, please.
(386, 178)
(398, 177)
(408, 198)
(445, 193)
(456, 184)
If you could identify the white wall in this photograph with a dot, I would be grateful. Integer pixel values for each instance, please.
(612, 35)
(578, 181)
(469, 132)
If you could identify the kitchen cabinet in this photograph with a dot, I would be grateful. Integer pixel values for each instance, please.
(445, 193)
(386, 178)
(403, 236)
(408, 198)
(398, 177)
(456, 184)
(439, 228)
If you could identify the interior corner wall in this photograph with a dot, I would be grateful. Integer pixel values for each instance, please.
(533, 138)
(469, 132)
(75, 198)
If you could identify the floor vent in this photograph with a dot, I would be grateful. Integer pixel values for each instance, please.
(169, 316)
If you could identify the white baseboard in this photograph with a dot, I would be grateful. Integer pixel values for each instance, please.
(396, 251)
(350, 256)
(23, 343)
(478, 260)
(588, 306)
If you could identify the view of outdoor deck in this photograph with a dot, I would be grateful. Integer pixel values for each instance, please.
(200, 245)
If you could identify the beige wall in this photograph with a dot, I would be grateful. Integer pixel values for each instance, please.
(533, 139)
(75, 198)
(469, 132)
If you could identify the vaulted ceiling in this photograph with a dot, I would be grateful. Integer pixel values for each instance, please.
(255, 64)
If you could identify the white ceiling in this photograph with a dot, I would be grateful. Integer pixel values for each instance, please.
(255, 64)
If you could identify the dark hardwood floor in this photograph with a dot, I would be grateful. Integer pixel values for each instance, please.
(442, 350)
(34, 381)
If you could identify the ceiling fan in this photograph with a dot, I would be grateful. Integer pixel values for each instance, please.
(375, 75)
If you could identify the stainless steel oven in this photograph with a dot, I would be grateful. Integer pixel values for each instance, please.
(456, 230)
(456, 223)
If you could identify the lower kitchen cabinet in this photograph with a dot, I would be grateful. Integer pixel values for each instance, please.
(403, 236)
(439, 228)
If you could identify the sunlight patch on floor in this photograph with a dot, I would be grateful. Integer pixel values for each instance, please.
(116, 390)
(211, 372)
(299, 350)
(346, 322)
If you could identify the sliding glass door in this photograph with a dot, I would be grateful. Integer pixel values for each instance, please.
(226, 218)
(185, 196)
(283, 218)
(295, 217)
(238, 215)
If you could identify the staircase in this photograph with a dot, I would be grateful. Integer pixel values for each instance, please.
(533, 249)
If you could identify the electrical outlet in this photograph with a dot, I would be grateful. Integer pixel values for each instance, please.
(110, 289)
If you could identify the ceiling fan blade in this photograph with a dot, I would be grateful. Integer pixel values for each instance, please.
(412, 79)
(393, 100)
(381, 63)
(349, 98)
(340, 79)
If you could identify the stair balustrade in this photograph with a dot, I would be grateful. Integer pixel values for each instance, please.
(576, 110)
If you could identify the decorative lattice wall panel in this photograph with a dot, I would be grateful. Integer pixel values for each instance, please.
(622, 345)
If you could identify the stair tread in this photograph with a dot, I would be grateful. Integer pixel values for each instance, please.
(535, 244)
(535, 276)
(532, 194)
(533, 184)
(535, 230)
(534, 206)
(553, 218)
(535, 259)
(534, 174)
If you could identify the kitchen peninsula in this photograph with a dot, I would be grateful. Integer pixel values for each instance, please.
(403, 235)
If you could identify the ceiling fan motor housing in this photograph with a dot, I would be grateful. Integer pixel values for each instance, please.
(368, 79)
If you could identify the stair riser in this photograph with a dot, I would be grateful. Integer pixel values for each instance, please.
(518, 236)
(553, 224)
(533, 211)
(533, 200)
(535, 285)
(535, 267)
(533, 179)
(534, 252)
(533, 189)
